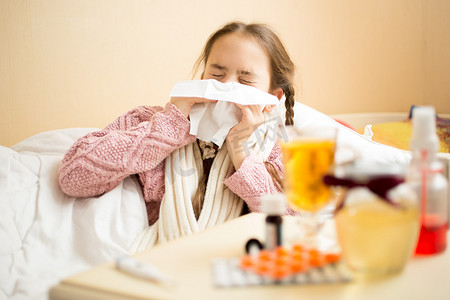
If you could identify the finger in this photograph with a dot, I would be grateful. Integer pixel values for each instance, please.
(253, 107)
(256, 110)
(241, 106)
(203, 100)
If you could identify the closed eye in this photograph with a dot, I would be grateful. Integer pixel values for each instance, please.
(248, 82)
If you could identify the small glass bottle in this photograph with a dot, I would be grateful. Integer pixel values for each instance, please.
(426, 178)
(274, 205)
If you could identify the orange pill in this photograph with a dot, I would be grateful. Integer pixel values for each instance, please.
(281, 251)
(317, 261)
(262, 268)
(299, 256)
(282, 260)
(332, 257)
(247, 262)
(299, 266)
(298, 248)
(314, 252)
(265, 255)
(280, 272)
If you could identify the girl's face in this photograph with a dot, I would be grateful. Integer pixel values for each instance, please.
(237, 58)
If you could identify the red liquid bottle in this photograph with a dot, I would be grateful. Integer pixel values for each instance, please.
(425, 176)
(432, 239)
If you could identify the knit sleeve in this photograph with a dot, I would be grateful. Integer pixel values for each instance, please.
(134, 143)
(252, 180)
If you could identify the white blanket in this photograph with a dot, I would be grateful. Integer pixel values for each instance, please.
(45, 235)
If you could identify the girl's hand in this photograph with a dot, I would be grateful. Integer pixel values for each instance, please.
(252, 117)
(184, 104)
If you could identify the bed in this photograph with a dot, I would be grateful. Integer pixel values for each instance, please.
(47, 236)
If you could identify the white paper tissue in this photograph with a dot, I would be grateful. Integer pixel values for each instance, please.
(211, 122)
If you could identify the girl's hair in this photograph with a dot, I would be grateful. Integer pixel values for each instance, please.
(282, 76)
(282, 68)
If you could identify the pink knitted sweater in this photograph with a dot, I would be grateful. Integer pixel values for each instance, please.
(138, 143)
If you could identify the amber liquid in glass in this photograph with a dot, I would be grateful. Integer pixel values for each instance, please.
(306, 161)
(376, 237)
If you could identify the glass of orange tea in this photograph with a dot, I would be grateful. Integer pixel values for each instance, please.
(308, 155)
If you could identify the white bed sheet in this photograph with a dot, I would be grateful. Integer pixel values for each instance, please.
(46, 235)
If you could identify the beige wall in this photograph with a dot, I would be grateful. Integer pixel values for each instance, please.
(82, 63)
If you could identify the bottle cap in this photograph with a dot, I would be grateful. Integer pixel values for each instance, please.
(424, 129)
(273, 204)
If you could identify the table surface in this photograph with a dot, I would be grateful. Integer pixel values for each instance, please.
(188, 262)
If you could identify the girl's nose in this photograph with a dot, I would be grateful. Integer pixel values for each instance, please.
(229, 78)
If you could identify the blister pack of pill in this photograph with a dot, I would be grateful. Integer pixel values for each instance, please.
(280, 266)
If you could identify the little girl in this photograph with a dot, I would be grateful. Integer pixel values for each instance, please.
(149, 141)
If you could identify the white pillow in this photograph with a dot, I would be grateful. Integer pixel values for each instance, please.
(365, 150)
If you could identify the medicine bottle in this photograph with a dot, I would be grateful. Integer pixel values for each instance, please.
(274, 205)
(426, 178)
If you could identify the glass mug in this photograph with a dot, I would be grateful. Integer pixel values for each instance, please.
(377, 230)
